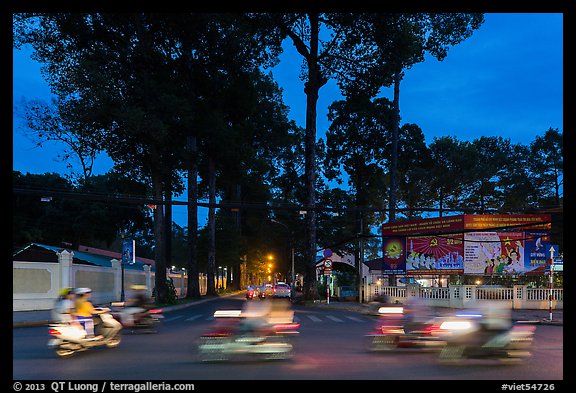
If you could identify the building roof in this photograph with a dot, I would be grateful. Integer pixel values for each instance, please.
(35, 252)
(374, 264)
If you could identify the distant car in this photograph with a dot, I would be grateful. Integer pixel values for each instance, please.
(252, 292)
(281, 290)
(266, 291)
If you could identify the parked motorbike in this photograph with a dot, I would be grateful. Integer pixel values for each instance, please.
(147, 321)
(230, 339)
(395, 330)
(68, 338)
(469, 336)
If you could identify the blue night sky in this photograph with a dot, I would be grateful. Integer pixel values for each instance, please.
(506, 80)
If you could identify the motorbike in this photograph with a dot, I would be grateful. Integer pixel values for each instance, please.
(468, 337)
(396, 331)
(68, 339)
(228, 340)
(148, 321)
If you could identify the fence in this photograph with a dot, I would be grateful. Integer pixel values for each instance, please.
(36, 284)
(461, 296)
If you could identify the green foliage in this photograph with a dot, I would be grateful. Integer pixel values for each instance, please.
(171, 295)
(343, 279)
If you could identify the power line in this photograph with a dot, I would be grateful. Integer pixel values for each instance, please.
(132, 199)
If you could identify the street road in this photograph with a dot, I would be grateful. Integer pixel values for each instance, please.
(330, 346)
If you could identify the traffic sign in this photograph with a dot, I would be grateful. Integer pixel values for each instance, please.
(328, 263)
(327, 271)
(327, 253)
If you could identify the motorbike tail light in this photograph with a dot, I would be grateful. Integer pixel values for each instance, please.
(432, 329)
(392, 330)
(286, 326)
(54, 332)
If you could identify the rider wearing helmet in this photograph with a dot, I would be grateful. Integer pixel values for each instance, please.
(85, 310)
(136, 305)
(64, 309)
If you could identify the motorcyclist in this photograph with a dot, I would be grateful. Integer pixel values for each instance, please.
(85, 311)
(416, 313)
(254, 318)
(495, 321)
(64, 308)
(136, 306)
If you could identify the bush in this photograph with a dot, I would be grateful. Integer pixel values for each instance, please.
(171, 297)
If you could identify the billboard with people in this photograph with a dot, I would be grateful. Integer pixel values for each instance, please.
(466, 244)
(489, 253)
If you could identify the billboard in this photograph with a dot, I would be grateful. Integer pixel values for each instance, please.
(394, 255)
(518, 222)
(435, 254)
(536, 252)
(128, 254)
(489, 253)
(468, 222)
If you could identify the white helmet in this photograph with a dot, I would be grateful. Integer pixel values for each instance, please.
(82, 291)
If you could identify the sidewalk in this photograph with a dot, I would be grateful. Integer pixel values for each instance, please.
(42, 318)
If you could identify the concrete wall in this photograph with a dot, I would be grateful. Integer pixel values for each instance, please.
(36, 284)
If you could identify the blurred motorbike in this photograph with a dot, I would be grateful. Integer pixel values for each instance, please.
(147, 321)
(68, 338)
(233, 337)
(395, 330)
(469, 335)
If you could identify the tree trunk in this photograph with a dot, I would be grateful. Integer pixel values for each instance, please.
(211, 228)
(168, 226)
(161, 289)
(192, 265)
(394, 163)
(312, 86)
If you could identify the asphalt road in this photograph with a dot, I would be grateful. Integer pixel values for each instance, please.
(330, 347)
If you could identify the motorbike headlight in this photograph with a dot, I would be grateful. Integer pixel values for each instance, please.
(390, 310)
(456, 325)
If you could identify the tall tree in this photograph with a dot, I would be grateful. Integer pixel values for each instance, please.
(547, 161)
(318, 38)
(488, 159)
(450, 170)
(400, 41)
(116, 67)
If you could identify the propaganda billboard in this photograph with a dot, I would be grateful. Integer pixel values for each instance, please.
(394, 255)
(488, 253)
(435, 254)
(536, 252)
(468, 222)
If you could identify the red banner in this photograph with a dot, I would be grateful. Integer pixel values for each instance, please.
(466, 222)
